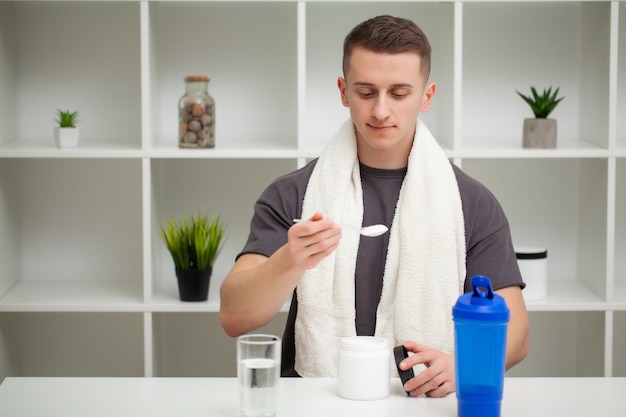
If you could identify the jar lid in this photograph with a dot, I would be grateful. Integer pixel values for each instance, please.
(364, 343)
(196, 78)
(529, 252)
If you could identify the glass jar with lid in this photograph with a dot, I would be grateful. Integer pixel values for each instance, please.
(196, 114)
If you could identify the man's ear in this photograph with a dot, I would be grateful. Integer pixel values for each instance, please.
(341, 83)
(429, 93)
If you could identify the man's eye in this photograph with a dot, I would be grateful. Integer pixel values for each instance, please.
(399, 94)
(366, 94)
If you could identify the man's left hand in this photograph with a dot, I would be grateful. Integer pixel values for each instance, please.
(438, 379)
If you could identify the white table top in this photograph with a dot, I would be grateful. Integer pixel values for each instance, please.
(217, 397)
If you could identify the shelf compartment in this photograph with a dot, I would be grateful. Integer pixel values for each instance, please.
(564, 344)
(567, 295)
(8, 72)
(248, 51)
(72, 220)
(620, 232)
(74, 296)
(328, 23)
(73, 344)
(619, 344)
(187, 344)
(89, 63)
(227, 151)
(194, 344)
(47, 149)
(228, 188)
(621, 78)
(9, 224)
(571, 226)
(568, 48)
(507, 149)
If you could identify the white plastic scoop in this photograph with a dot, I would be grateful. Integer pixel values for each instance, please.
(368, 231)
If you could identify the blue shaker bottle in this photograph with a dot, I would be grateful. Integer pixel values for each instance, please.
(480, 323)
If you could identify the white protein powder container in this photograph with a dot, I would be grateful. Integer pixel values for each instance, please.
(533, 264)
(363, 368)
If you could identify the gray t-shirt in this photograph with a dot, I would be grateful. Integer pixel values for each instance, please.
(489, 250)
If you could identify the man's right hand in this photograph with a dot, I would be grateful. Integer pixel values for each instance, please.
(312, 240)
(257, 287)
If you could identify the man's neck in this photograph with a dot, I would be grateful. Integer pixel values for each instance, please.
(385, 159)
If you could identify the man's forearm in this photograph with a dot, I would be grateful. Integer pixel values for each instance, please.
(517, 345)
(254, 292)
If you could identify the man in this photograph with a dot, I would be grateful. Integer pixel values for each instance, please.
(382, 166)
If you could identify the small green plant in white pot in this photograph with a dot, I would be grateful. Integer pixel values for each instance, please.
(66, 133)
(540, 132)
(194, 242)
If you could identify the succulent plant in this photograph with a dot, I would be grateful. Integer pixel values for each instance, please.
(542, 104)
(66, 118)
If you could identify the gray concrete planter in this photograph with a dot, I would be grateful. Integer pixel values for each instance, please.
(539, 133)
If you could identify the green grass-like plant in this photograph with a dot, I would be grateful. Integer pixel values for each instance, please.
(542, 105)
(195, 241)
(66, 118)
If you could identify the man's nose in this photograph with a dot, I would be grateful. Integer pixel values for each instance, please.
(381, 108)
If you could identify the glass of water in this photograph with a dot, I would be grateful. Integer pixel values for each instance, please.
(258, 372)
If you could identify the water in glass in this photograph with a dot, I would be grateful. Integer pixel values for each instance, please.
(259, 386)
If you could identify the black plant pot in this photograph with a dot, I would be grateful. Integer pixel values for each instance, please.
(193, 284)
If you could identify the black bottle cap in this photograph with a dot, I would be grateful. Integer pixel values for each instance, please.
(400, 353)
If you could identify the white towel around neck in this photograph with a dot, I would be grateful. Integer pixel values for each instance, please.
(425, 267)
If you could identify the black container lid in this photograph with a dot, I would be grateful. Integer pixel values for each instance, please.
(524, 252)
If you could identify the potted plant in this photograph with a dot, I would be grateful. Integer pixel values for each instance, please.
(540, 132)
(66, 133)
(194, 243)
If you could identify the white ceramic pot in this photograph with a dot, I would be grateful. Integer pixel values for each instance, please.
(66, 137)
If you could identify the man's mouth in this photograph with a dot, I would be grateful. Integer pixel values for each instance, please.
(380, 128)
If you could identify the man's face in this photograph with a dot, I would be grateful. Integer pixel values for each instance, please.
(385, 93)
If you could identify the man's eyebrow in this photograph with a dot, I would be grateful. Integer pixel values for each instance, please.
(366, 84)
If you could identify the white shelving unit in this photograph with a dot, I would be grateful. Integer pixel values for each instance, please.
(86, 286)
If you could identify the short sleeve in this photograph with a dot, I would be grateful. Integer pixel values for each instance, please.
(489, 247)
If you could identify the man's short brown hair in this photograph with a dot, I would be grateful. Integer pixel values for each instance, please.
(388, 34)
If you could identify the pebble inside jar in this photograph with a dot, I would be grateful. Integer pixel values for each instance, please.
(196, 114)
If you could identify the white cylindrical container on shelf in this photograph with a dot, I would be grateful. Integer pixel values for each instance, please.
(533, 264)
(363, 368)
